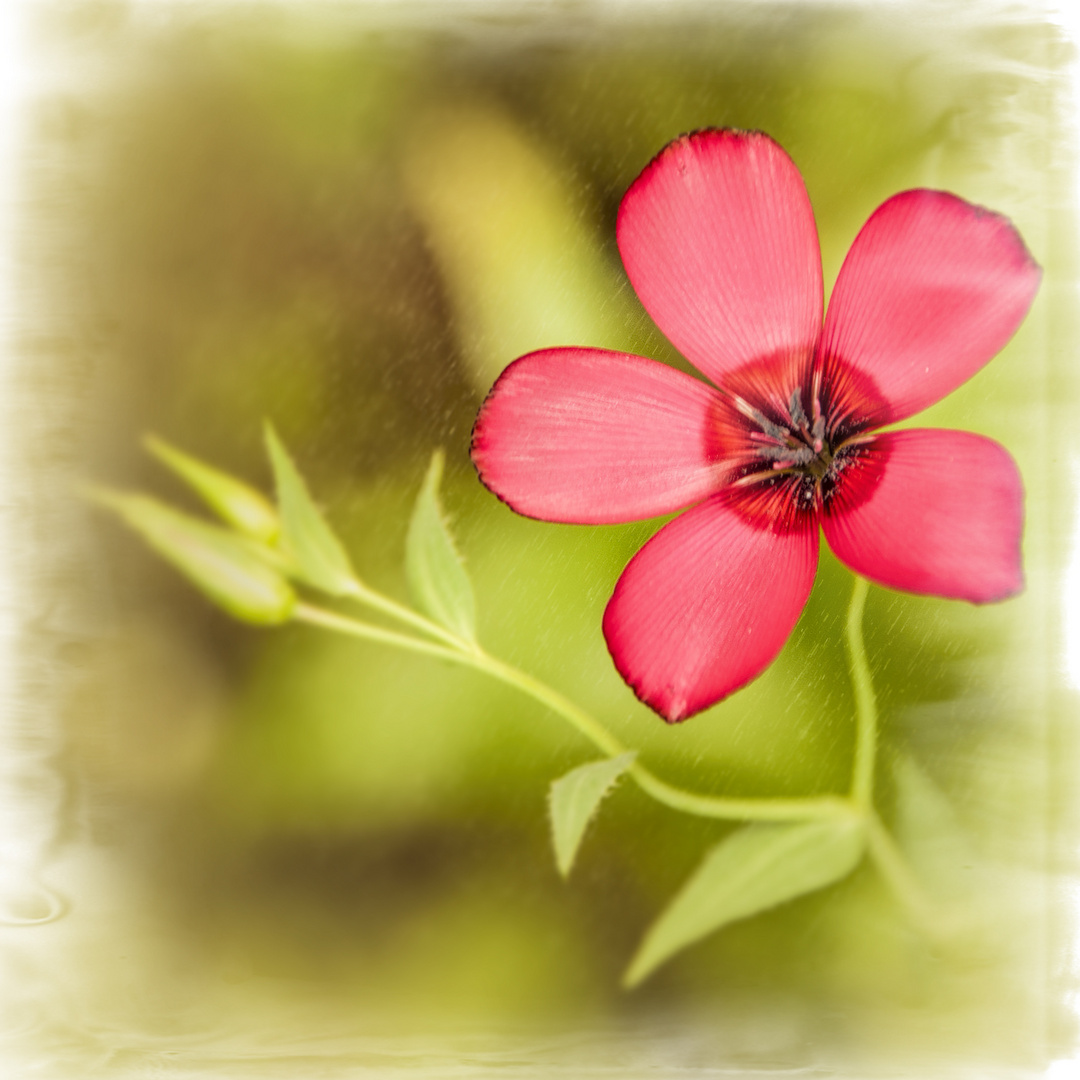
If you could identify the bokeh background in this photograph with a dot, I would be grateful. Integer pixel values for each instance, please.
(279, 852)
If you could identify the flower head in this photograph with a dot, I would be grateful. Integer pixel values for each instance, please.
(718, 238)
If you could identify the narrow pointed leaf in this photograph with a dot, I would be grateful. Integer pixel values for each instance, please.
(436, 573)
(754, 869)
(316, 553)
(235, 502)
(227, 568)
(574, 799)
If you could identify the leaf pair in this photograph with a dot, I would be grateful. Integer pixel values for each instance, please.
(435, 570)
(756, 868)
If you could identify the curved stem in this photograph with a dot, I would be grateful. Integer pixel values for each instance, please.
(727, 809)
(880, 845)
(677, 798)
(862, 783)
(589, 726)
(468, 655)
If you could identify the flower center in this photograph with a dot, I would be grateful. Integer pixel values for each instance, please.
(793, 448)
(800, 446)
(787, 436)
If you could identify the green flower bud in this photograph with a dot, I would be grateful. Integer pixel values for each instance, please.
(235, 502)
(230, 570)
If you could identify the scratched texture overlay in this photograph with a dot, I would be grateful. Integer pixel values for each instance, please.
(239, 852)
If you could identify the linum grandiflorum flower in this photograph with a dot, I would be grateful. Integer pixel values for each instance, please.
(718, 238)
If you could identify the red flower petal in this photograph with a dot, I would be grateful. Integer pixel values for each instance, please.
(595, 437)
(718, 239)
(931, 290)
(936, 512)
(706, 605)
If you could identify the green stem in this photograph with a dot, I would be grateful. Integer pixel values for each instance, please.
(862, 784)
(590, 727)
(881, 847)
(363, 595)
(330, 620)
(677, 798)
(880, 844)
(761, 809)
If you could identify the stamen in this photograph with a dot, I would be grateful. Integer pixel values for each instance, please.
(761, 437)
(796, 455)
(759, 418)
(752, 478)
(801, 453)
(795, 409)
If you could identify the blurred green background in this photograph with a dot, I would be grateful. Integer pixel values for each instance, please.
(349, 220)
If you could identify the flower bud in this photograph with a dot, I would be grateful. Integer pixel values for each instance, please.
(227, 568)
(235, 502)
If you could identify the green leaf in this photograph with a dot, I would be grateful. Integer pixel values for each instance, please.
(574, 799)
(306, 539)
(228, 569)
(754, 869)
(927, 829)
(235, 502)
(436, 573)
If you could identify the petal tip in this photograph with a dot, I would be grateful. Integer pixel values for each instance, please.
(690, 142)
(1001, 591)
(706, 606)
(670, 704)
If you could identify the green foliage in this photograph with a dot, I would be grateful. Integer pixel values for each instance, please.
(307, 541)
(931, 836)
(754, 869)
(235, 502)
(344, 231)
(437, 576)
(228, 569)
(574, 799)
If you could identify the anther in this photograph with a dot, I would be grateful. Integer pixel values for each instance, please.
(759, 418)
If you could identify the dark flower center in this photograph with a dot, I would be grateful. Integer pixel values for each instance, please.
(788, 437)
(798, 446)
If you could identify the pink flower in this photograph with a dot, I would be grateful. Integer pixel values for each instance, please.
(718, 238)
